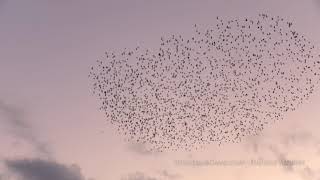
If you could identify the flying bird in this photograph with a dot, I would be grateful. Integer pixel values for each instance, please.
(219, 85)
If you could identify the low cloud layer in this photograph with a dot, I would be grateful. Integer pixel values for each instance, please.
(37, 169)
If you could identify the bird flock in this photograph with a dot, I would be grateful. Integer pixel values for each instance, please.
(219, 85)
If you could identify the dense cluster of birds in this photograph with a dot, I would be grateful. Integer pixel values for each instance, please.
(219, 85)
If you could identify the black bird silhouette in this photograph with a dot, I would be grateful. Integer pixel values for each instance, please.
(217, 86)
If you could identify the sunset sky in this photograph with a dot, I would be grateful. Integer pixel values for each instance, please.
(50, 123)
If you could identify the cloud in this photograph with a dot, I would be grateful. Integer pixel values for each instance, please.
(159, 175)
(253, 143)
(38, 169)
(140, 149)
(138, 176)
(285, 141)
(307, 173)
(14, 119)
(5, 176)
(282, 147)
(31, 168)
(299, 138)
(281, 157)
(169, 175)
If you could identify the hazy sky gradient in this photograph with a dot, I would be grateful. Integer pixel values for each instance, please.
(48, 46)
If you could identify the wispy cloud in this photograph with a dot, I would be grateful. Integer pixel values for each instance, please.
(281, 156)
(307, 173)
(140, 148)
(299, 138)
(13, 118)
(138, 176)
(169, 175)
(281, 147)
(159, 175)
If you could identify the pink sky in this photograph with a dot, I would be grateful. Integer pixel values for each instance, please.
(47, 48)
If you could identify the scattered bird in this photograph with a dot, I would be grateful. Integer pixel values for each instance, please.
(217, 86)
